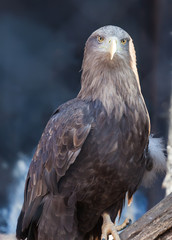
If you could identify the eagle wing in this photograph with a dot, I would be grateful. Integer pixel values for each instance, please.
(58, 148)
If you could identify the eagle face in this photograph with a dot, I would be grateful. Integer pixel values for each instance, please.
(110, 43)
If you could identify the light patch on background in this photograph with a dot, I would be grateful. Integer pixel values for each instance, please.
(4, 213)
(16, 195)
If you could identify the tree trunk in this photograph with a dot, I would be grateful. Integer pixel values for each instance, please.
(156, 224)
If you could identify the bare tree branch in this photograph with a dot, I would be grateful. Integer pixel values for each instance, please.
(155, 224)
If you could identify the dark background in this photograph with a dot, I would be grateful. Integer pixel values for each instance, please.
(41, 50)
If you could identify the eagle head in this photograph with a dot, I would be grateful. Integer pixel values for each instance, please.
(110, 44)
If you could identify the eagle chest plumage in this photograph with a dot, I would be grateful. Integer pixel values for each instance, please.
(110, 163)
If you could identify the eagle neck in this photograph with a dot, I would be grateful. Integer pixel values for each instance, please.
(109, 84)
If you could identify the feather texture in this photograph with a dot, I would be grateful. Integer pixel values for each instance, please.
(157, 157)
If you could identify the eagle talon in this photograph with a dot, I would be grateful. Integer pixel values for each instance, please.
(127, 222)
(108, 228)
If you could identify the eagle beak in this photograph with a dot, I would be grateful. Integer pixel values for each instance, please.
(112, 47)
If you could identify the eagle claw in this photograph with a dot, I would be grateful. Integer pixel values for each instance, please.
(109, 227)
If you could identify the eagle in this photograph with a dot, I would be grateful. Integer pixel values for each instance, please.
(95, 150)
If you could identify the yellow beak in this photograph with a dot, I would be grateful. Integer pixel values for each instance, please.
(112, 47)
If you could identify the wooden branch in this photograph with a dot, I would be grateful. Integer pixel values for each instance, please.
(156, 224)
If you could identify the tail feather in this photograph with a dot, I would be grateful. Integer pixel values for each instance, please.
(57, 220)
(53, 218)
(19, 233)
(27, 222)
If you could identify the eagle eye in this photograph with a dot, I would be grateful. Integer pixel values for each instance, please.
(124, 41)
(100, 39)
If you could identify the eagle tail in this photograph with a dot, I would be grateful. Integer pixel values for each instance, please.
(54, 218)
(28, 220)
(156, 160)
(19, 233)
(58, 219)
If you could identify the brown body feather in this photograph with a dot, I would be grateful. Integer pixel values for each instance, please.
(89, 156)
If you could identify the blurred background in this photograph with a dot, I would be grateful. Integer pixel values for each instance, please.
(41, 50)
